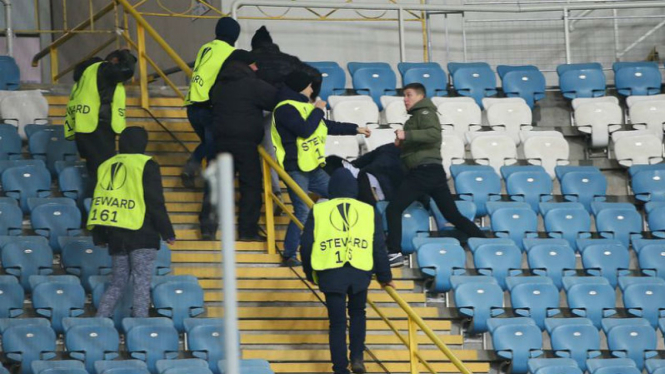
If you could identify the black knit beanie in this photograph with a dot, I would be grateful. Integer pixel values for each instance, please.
(298, 80)
(261, 37)
(227, 29)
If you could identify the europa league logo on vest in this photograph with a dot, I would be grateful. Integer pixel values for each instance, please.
(114, 178)
(344, 218)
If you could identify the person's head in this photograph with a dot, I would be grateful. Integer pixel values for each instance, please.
(133, 139)
(342, 184)
(114, 57)
(413, 93)
(261, 38)
(241, 56)
(300, 82)
(227, 30)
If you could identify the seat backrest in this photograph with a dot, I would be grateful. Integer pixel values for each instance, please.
(637, 148)
(415, 219)
(637, 78)
(430, 75)
(346, 147)
(359, 112)
(10, 72)
(576, 83)
(552, 260)
(82, 258)
(607, 260)
(652, 261)
(598, 119)
(11, 218)
(619, 223)
(592, 300)
(530, 186)
(646, 301)
(152, 342)
(24, 182)
(54, 220)
(206, 341)
(527, 84)
(459, 114)
(635, 341)
(395, 112)
(10, 141)
(577, 341)
(441, 261)
(568, 223)
(498, 260)
(478, 300)
(178, 300)
(535, 300)
(583, 187)
(91, 340)
(26, 256)
(650, 113)
(73, 182)
(476, 81)
(509, 116)
(547, 149)
(478, 185)
(334, 78)
(518, 342)
(375, 81)
(11, 297)
(516, 222)
(452, 150)
(494, 149)
(26, 343)
(58, 297)
(24, 106)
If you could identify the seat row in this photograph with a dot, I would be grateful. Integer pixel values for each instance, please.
(477, 79)
(95, 342)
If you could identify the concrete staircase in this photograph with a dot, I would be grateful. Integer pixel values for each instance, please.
(281, 320)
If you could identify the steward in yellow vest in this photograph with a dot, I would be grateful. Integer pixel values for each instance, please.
(299, 132)
(209, 61)
(342, 246)
(96, 107)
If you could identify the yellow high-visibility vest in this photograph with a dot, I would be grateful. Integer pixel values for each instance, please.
(311, 151)
(208, 63)
(84, 103)
(343, 233)
(118, 199)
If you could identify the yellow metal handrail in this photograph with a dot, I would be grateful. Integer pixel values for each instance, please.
(414, 320)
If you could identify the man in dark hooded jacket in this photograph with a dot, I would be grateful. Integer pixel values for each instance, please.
(343, 271)
(133, 239)
(208, 63)
(238, 101)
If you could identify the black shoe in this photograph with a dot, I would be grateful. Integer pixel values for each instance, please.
(358, 367)
(291, 262)
(277, 211)
(396, 260)
(189, 172)
(252, 238)
(187, 180)
(208, 235)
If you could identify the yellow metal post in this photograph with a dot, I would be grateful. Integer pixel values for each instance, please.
(54, 64)
(270, 216)
(143, 67)
(413, 346)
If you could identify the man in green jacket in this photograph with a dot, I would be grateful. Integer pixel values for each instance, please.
(420, 142)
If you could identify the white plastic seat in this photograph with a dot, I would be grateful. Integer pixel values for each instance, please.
(460, 116)
(461, 99)
(639, 147)
(648, 115)
(511, 115)
(493, 148)
(586, 100)
(380, 136)
(489, 101)
(546, 148)
(346, 147)
(452, 150)
(360, 112)
(632, 100)
(24, 106)
(394, 110)
(599, 118)
(333, 100)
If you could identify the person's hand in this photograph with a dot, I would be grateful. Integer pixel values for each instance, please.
(170, 241)
(400, 134)
(320, 104)
(364, 131)
(398, 143)
(391, 284)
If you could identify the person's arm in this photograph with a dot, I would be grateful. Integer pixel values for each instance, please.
(154, 201)
(380, 254)
(121, 71)
(265, 94)
(341, 128)
(429, 131)
(365, 159)
(306, 243)
(289, 117)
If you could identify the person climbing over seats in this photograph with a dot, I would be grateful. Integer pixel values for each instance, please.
(299, 134)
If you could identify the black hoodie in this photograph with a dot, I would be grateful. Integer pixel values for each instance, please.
(238, 100)
(343, 184)
(157, 223)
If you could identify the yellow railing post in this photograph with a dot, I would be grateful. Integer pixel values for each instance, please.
(54, 64)
(143, 67)
(413, 346)
(270, 216)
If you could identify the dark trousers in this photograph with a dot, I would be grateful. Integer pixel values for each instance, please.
(247, 164)
(95, 147)
(336, 304)
(425, 180)
(200, 117)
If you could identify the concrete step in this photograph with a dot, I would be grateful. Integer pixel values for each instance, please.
(308, 338)
(304, 296)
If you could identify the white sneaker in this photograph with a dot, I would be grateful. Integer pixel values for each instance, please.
(396, 260)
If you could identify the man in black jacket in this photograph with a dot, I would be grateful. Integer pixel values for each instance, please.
(133, 251)
(345, 279)
(238, 101)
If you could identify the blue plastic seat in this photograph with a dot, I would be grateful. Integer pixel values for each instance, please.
(91, 340)
(590, 297)
(123, 309)
(34, 202)
(656, 217)
(635, 342)
(651, 260)
(334, 78)
(553, 366)
(121, 367)
(553, 258)
(645, 300)
(194, 365)
(515, 221)
(649, 184)
(10, 74)
(73, 182)
(526, 82)
(415, 219)
(478, 184)
(375, 79)
(11, 297)
(24, 182)
(637, 78)
(11, 217)
(25, 256)
(579, 342)
(494, 323)
(529, 184)
(581, 80)
(553, 323)
(163, 260)
(52, 146)
(607, 258)
(55, 220)
(583, 184)
(534, 297)
(639, 244)
(479, 298)
(33, 128)
(251, 366)
(151, 341)
(441, 261)
(28, 342)
(476, 80)
(82, 258)
(518, 343)
(58, 367)
(612, 366)
(57, 297)
(618, 221)
(177, 297)
(466, 208)
(655, 366)
(569, 221)
(498, 260)
(610, 323)
(205, 339)
(10, 142)
(429, 74)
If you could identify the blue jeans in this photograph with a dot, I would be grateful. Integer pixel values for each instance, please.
(200, 117)
(315, 181)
